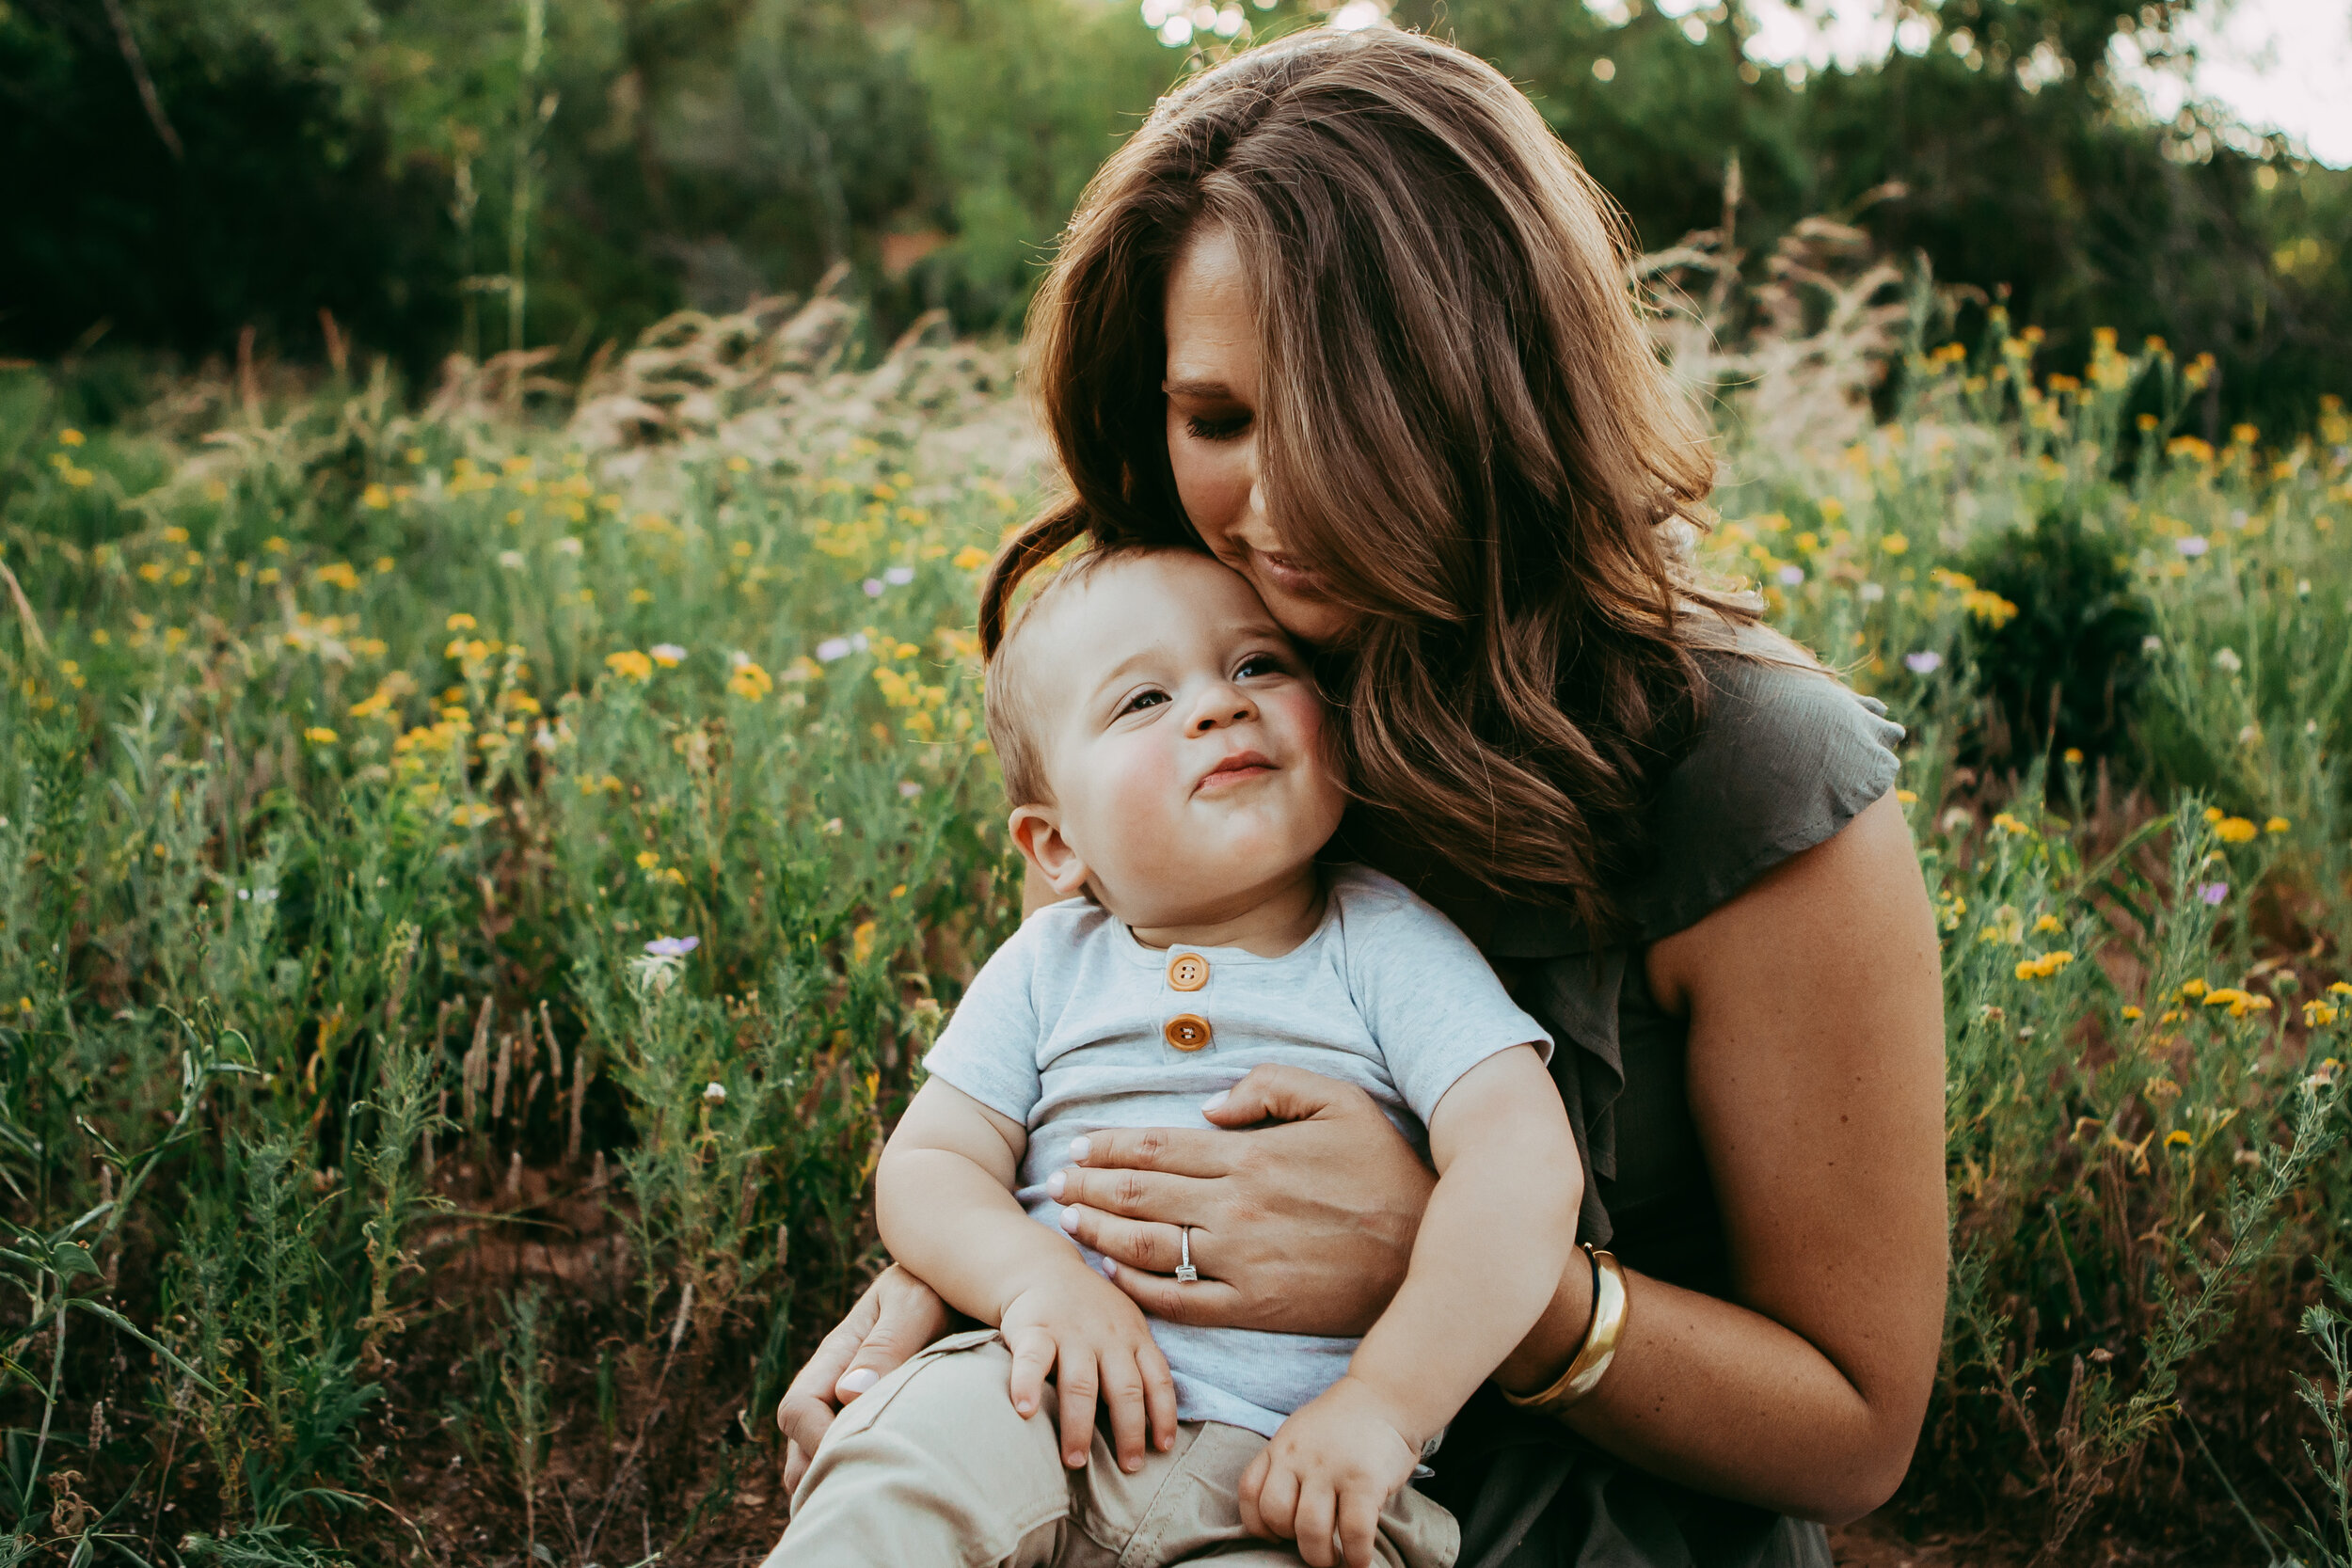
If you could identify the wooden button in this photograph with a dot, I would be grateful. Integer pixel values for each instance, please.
(1187, 971)
(1187, 1031)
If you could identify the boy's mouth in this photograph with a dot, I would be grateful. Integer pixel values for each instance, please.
(1235, 768)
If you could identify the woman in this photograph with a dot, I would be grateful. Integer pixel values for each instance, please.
(1345, 314)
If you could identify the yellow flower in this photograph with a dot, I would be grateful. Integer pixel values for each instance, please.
(2073, 754)
(151, 573)
(2317, 1013)
(2277, 825)
(668, 655)
(319, 734)
(2131, 1014)
(69, 438)
(749, 682)
(641, 596)
(339, 574)
(472, 814)
(2233, 830)
(460, 622)
(1893, 543)
(2007, 823)
(2045, 966)
(970, 559)
(648, 859)
(2176, 1139)
(383, 565)
(1907, 797)
(376, 498)
(2193, 987)
(631, 663)
(2341, 988)
(862, 942)
(2215, 814)
(2049, 923)
(266, 576)
(175, 536)
(739, 464)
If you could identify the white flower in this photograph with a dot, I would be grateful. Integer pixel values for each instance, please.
(2250, 735)
(2228, 663)
(909, 789)
(2192, 546)
(715, 1092)
(2152, 645)
(568, 545)
(667, 653)
(833, 648)
(899, 576)
(1873, 592)
(511, 559)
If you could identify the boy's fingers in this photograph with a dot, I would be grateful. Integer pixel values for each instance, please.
(1159, 1397)
(1313, 1522)
(1252, 1482)
(1360, 1527)
(1278, 1501)
(1080, 1380)
(1122, 1396)
(1032, 1358)
(1272, 1093)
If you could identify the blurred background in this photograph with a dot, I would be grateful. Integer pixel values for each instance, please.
(420, 177)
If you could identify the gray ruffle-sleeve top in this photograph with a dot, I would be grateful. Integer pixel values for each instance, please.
(1785, 758)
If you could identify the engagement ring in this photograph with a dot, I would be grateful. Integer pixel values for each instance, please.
(1186, 1272)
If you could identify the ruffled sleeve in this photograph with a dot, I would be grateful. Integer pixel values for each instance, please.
(1786, 757)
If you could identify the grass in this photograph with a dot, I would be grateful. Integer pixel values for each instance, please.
(473, 884)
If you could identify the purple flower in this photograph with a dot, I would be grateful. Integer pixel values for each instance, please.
(873, 588)
(1927, 661)
(2192, 546)
(1791, 576)
(833, 648)
(673, 947)
(2213, 892)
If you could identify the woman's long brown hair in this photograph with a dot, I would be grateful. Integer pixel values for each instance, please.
(1462, 427)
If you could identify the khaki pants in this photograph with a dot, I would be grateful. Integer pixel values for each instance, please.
(932, 1469)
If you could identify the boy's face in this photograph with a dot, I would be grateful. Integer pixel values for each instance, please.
(1183, 740)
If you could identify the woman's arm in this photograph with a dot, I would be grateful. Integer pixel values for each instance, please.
(1816, 1081)
(1815, 1000)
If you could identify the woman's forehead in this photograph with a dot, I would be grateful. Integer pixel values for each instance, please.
(1212, 331)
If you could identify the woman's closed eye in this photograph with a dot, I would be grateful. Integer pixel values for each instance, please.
(1219, 427)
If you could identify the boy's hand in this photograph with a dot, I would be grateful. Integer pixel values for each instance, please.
(1077, 1325)
(1327, 1473)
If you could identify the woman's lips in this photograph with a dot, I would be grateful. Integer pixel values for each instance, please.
(1288, 575)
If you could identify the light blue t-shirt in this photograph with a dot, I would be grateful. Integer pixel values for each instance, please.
(1073, 1026)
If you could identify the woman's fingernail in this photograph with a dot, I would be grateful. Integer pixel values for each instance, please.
(858, 1381)
(1216, 1100)
(1079, 1148)
(1055, 1183)
(1070, 1221)
(1110, 1270)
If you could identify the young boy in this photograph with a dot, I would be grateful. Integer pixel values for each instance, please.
(1163, 744)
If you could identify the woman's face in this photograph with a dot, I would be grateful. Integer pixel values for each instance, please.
(1212, 404)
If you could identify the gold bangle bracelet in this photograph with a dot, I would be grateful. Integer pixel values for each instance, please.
(1584, 1373)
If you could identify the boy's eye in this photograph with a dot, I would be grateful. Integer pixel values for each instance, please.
(1142, 700)
(1222, 427)
(1261, 664)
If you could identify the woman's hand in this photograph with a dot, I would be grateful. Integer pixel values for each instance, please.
(1303, 1226)
(896, 1316)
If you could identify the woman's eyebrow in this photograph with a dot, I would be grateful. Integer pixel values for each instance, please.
(1207, 390)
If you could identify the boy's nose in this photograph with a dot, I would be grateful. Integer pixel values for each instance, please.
(1220, 707)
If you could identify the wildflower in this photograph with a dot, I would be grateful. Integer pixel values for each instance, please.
(1907, 797)
(2073, 754)
(2176, 1139)
(2161, 1087)
(2152, 645)
(970, 559)
(2228, 663)
(632, 664)
(1893, 543)
(673, 947)
(472, 814)
(1791, 576)
(150, 572)
(2340, 989)
(1873, 592)
(511, 559)
(833, 648)
(668, 655)
(749, 682)
(2132, 1014)
(567, 546)
(340, 575)
(2048, 922)
(862, 942)
(2045, 966)
(2277, 825)
(739, 463)
(2317, 1014)
(716, 1093)
(648, 859)
(460, 622)
(909, 789)
(2192, 545)
(2007, 823)
(1989, 607)
(1927, 661)
(2249, 735)
(376, 498)
(2213, 892)
(833, 826)
(899, 576)
(383, 566)
(873, 588)
(67, 438)
(319, 734)
(2234, 830)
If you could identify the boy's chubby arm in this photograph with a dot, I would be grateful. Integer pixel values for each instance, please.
(944, 1200)
(1486, 1261)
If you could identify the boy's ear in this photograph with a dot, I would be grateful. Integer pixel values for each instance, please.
(1038, 830)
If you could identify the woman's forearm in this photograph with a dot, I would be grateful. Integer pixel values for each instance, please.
(1721, 1399)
